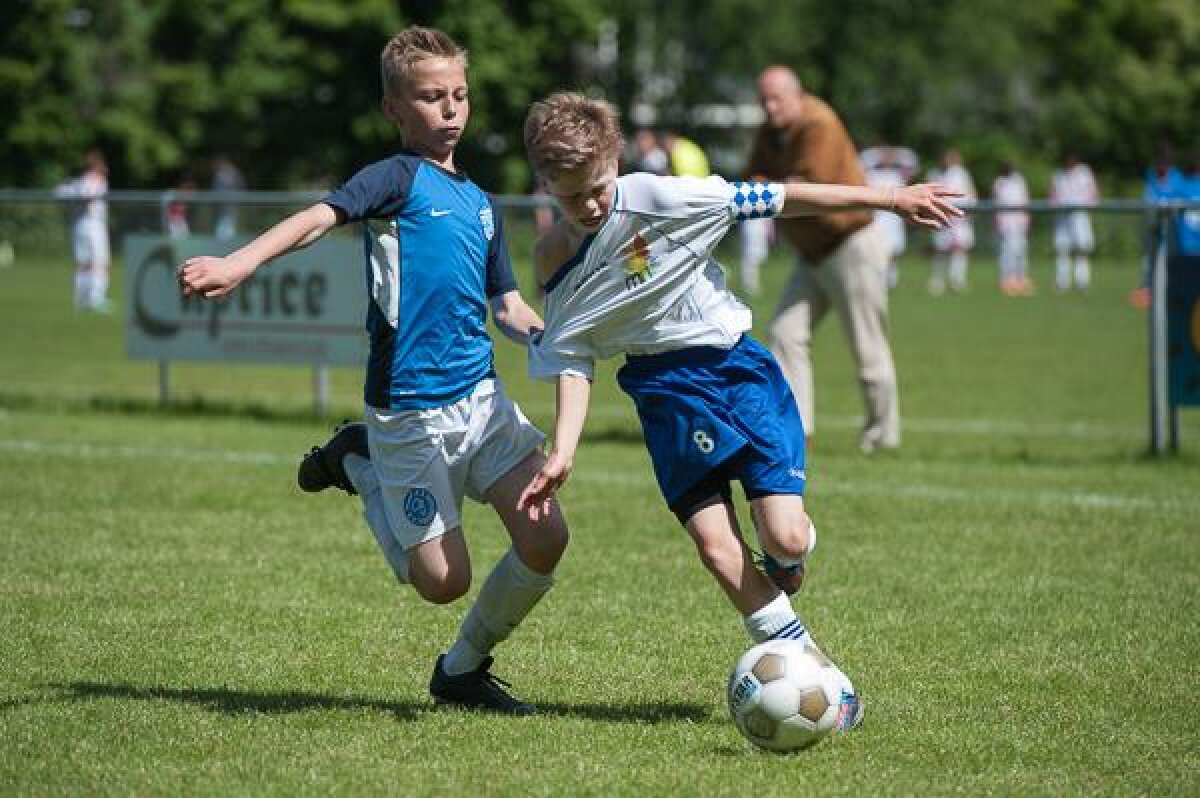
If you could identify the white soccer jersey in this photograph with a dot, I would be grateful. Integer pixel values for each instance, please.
(88, 190)
(1074, 186)
(1011, 190)
(646, 282)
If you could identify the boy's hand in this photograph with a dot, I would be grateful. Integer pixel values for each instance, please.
(926, 204)
(536, 497)
(212, 277)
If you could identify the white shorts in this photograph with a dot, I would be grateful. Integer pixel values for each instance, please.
(427, 460)
(893, 230)
(959, 235)
(89, 243)
(1073, 233)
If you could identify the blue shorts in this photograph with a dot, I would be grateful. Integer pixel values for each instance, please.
(713, 415)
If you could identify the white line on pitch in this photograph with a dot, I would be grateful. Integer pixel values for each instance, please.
(918, 490)
(92, 451)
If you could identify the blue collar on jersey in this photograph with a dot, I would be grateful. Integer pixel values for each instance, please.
(575, 259)
(571, 263)
(460, 175)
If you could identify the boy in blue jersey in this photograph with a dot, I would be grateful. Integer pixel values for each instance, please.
(438, 424)
(628, 270)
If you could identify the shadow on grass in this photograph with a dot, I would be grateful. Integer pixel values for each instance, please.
(232, 701)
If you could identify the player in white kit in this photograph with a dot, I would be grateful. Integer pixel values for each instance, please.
(629, 270)
(890, 167)
(89, 232)
(952, 242)
(1009, 188)
(1073, 184)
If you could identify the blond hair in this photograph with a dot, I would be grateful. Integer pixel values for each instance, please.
(410, 46)
(567, 130)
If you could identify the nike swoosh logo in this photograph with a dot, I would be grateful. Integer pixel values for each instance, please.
(436, 212)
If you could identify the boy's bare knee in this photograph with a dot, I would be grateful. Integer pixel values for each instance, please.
(542, 549)
(444, 590)
(714, 554)
(790, 541)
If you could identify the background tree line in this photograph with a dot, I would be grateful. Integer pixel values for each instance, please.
(290, 88)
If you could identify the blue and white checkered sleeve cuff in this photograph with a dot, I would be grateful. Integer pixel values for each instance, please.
(756, 200)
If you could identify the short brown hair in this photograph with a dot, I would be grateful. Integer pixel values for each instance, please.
(567, 130)
(409, 46)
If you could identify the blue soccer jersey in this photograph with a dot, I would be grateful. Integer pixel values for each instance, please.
(435, 253)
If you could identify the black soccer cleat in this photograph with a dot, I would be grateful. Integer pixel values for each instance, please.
(477, 689)
(322, 467)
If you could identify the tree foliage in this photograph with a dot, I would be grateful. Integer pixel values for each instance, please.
(290, 88)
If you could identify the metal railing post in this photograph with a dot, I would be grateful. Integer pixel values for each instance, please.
(320, 390)
(1158, 332)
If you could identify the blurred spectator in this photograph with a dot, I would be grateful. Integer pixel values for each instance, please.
(226, 177)
(952, 243)
(754, 241)
(841, 260)
(1073, 184)
(1012, 226)
(176, 213)
(686, 157)
(649, 156)
(890, 167)
(89, 232)
(1164, 181)
(1188, 223)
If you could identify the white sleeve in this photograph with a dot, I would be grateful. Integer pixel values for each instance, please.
(688, 197)
(547, 364)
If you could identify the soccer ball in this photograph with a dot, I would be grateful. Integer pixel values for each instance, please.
(785, 695)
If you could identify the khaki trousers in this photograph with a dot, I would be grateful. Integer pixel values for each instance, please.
(852, 280)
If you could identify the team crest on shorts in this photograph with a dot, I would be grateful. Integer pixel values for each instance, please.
(419, 506)
(489, 223)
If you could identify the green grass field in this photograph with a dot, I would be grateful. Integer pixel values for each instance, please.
(1014, 591)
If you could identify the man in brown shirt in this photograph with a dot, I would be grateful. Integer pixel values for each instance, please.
(841, 257)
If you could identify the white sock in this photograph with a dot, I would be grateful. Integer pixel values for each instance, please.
(99, 286)
(1083, 273)
(366, 482)
(83, 289)
(937, 277)
(958, 269)
(776, 620)
(1062, 271)
(512, 589)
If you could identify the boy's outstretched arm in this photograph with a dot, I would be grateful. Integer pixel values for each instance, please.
(572, 395)
(215, 277)
(514, 317)
(926, 204)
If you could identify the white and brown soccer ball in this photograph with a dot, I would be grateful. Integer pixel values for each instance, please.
(785, 695)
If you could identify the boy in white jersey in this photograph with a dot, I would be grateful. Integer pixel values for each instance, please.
(952, 243)
(629, 269)
(1013, 228)
(1073, 184)
(89, 232)
(438, 424)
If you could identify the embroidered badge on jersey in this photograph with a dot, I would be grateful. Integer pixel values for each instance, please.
(488, 223)
(420, 507)
(636, 255)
